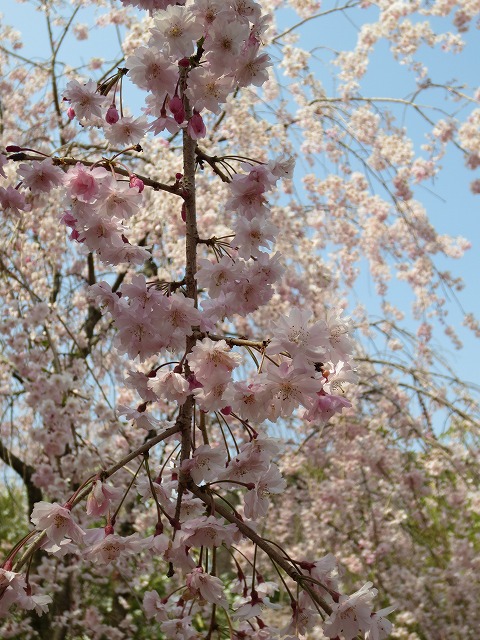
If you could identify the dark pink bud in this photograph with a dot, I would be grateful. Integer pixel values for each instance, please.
(68, 219)
(194, 383)
(71, 113)
(226, 411)
(184, 212)
(12, 148)
(178, 176)
(109, 530)
(112, 114)
(196, 127)
(177, 108)
(184, 62)
(136, 182)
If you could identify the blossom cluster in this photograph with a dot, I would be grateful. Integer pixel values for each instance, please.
(217, 44)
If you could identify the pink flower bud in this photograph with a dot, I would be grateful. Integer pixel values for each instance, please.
(112, 114)
(177, 109)
(178, 176)
(68, 219)
(226, 411)
(136, 182)
(184, 62)
(194, 383)
(196, 127)
(71, 113)
(12, 148)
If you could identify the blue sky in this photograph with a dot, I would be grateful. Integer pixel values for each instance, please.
(452, 208)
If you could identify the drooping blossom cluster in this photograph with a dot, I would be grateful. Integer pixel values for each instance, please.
(302, 365)
(215, 351)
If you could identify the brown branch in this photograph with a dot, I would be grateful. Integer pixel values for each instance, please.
(348, 5)
(106, 473)
(217, 507)
(191, 241)
(261, 345)
(212, 161)
(25, 471)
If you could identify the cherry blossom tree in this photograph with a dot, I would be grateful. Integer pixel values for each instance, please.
(213, 440)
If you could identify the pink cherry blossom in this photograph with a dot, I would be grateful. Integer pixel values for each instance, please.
(209, 532)
(37, 602)
(143, 419)
(153, 607)
(116, 198)
(324, 406)
(224, 42)
(149, 70)
(85, 183)
(206, 463)
(380, 627)
(107, 548)
(302, 340)
(56, 521)
(84, 99)
(290, 387)
(179, 628)
(253, 68)
(12, 200)
(206, 90)
(251, 235)
(126, 131)
(207, 587)
(100, 498)
(351, 615)
(209, 358)
(41, 177)
(170, 385)
(175, 30)
(216, 275)
(257, 499)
